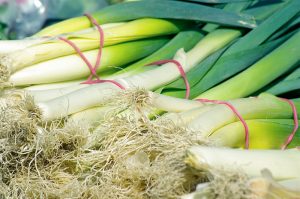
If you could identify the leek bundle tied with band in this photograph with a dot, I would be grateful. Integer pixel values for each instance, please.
(95, 94)
(92, 107)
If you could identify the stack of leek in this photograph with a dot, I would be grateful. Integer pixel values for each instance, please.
(219, 61)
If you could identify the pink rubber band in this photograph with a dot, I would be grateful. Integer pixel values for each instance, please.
(101, 44)
(296, 125)
(181, 71)
(92, 69)
(99, 55)
(235, 111)
(82, 56)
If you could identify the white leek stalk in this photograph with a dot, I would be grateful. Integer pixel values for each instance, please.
(9, 46)
(45, 92)
(264, 187)
(263, 107)
(43, 87)
(185, 117)
(283, 165)
(93, 116)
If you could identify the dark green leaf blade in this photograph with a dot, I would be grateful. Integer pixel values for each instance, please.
(287, 84)
(172, 10)
(229, 65)
(216, 1)
(231, 7)
(285, 87)
(184, 39)
(267, 28)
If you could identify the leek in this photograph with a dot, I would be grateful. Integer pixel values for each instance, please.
(141, 9)
(72, 67)
(223, 68)
(45, 92)
(235, 184)
(130, 31)
(264, 134)
(263, 107)
(277, 61)
(185, 39)
(285, 87)
(287, 84)
(284, 165)
(267, 27)
(10, 46)
(91, 96)
(94, 116)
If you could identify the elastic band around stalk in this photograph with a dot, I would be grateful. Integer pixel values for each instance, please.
(82, 56)
(296, 125)
(101, 43)
(235, 111)
(91, 68)
(99, 55)
(181, 71)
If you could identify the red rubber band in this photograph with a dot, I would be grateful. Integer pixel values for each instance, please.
(99, 55)
(92, 69)
(181, 71)
(235, 111)
(296, 125)
(78, 51)
(101, 44)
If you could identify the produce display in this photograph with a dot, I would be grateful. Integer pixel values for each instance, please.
(153, 99)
